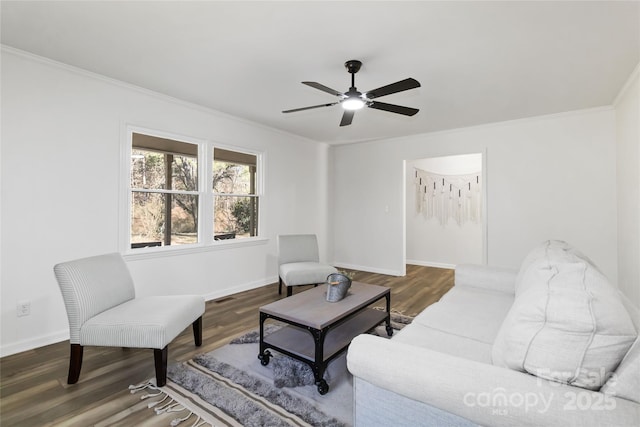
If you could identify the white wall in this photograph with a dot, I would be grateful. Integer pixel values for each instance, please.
(628, 176)
(428, 241)
(62, 132)
(546, 177)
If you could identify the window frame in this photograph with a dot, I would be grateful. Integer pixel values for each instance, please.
(205, 194)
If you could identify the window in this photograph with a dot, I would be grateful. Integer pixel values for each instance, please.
(171, 205)
(235, 197)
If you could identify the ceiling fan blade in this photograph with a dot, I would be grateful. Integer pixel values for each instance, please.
(309, 108)
(323, 88)
(399, 109)
(347, 117)
(400, 86)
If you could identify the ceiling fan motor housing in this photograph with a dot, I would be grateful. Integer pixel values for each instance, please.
(353, 66)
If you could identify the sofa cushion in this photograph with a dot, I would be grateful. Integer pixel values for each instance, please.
(473, 313)
(567, 323)
(443, 342)
(498, 279)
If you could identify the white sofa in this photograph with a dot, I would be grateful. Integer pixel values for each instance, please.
(550, 344)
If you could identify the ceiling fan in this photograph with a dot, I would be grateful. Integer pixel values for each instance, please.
(353, 100)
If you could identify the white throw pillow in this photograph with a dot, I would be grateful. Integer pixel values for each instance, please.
(567, 322)
(544, 251)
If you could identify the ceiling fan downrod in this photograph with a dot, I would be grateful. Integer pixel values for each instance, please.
(353, 66)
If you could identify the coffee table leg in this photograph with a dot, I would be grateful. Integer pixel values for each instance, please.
(323, 387)
(319, 366)
(264, 354)
(388, 321)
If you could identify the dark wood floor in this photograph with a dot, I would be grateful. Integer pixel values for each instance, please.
(33, 384)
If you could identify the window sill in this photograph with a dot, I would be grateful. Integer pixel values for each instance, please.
(167, 251)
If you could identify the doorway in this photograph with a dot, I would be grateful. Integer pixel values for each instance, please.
(445, 212)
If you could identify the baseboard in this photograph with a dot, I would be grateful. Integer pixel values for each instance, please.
(30, 344)
(431, 264)
(241, 288)
(56, 337)
(369, 269)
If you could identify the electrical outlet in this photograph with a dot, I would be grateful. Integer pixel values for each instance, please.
(23, 308)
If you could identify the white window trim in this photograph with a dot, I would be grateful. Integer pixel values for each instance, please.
(206, 194)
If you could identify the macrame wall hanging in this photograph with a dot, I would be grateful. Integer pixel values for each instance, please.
(445, 197)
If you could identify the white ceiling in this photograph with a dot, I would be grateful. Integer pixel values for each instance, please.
(478, 62)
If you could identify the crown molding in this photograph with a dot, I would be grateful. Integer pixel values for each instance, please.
(148, 92)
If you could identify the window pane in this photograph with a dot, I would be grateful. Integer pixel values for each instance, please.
(235, 217)
(184, 219)
(234, 172)
(148, 221)
(147, 218)
(149, 171)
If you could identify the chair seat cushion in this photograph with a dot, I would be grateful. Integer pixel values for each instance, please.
(149, 322)
(305, 273)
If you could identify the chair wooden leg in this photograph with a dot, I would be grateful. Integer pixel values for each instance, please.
(279, 286)
(75, 363)
(197, 331)
(289, 291)
(160, 358)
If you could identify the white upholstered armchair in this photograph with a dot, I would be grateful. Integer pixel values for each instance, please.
(103, 310)
(298, 262)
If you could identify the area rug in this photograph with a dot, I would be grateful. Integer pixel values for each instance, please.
(229, 387)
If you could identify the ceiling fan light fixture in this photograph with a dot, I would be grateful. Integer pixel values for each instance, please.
(352, 104)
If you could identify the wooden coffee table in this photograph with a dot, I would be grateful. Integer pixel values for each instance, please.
(317, 331)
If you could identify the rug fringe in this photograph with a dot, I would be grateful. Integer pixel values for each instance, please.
(170, 406)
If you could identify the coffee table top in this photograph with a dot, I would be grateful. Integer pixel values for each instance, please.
(311, 308)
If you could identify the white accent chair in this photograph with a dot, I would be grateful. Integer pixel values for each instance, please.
(103, 310)
(298, 262)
